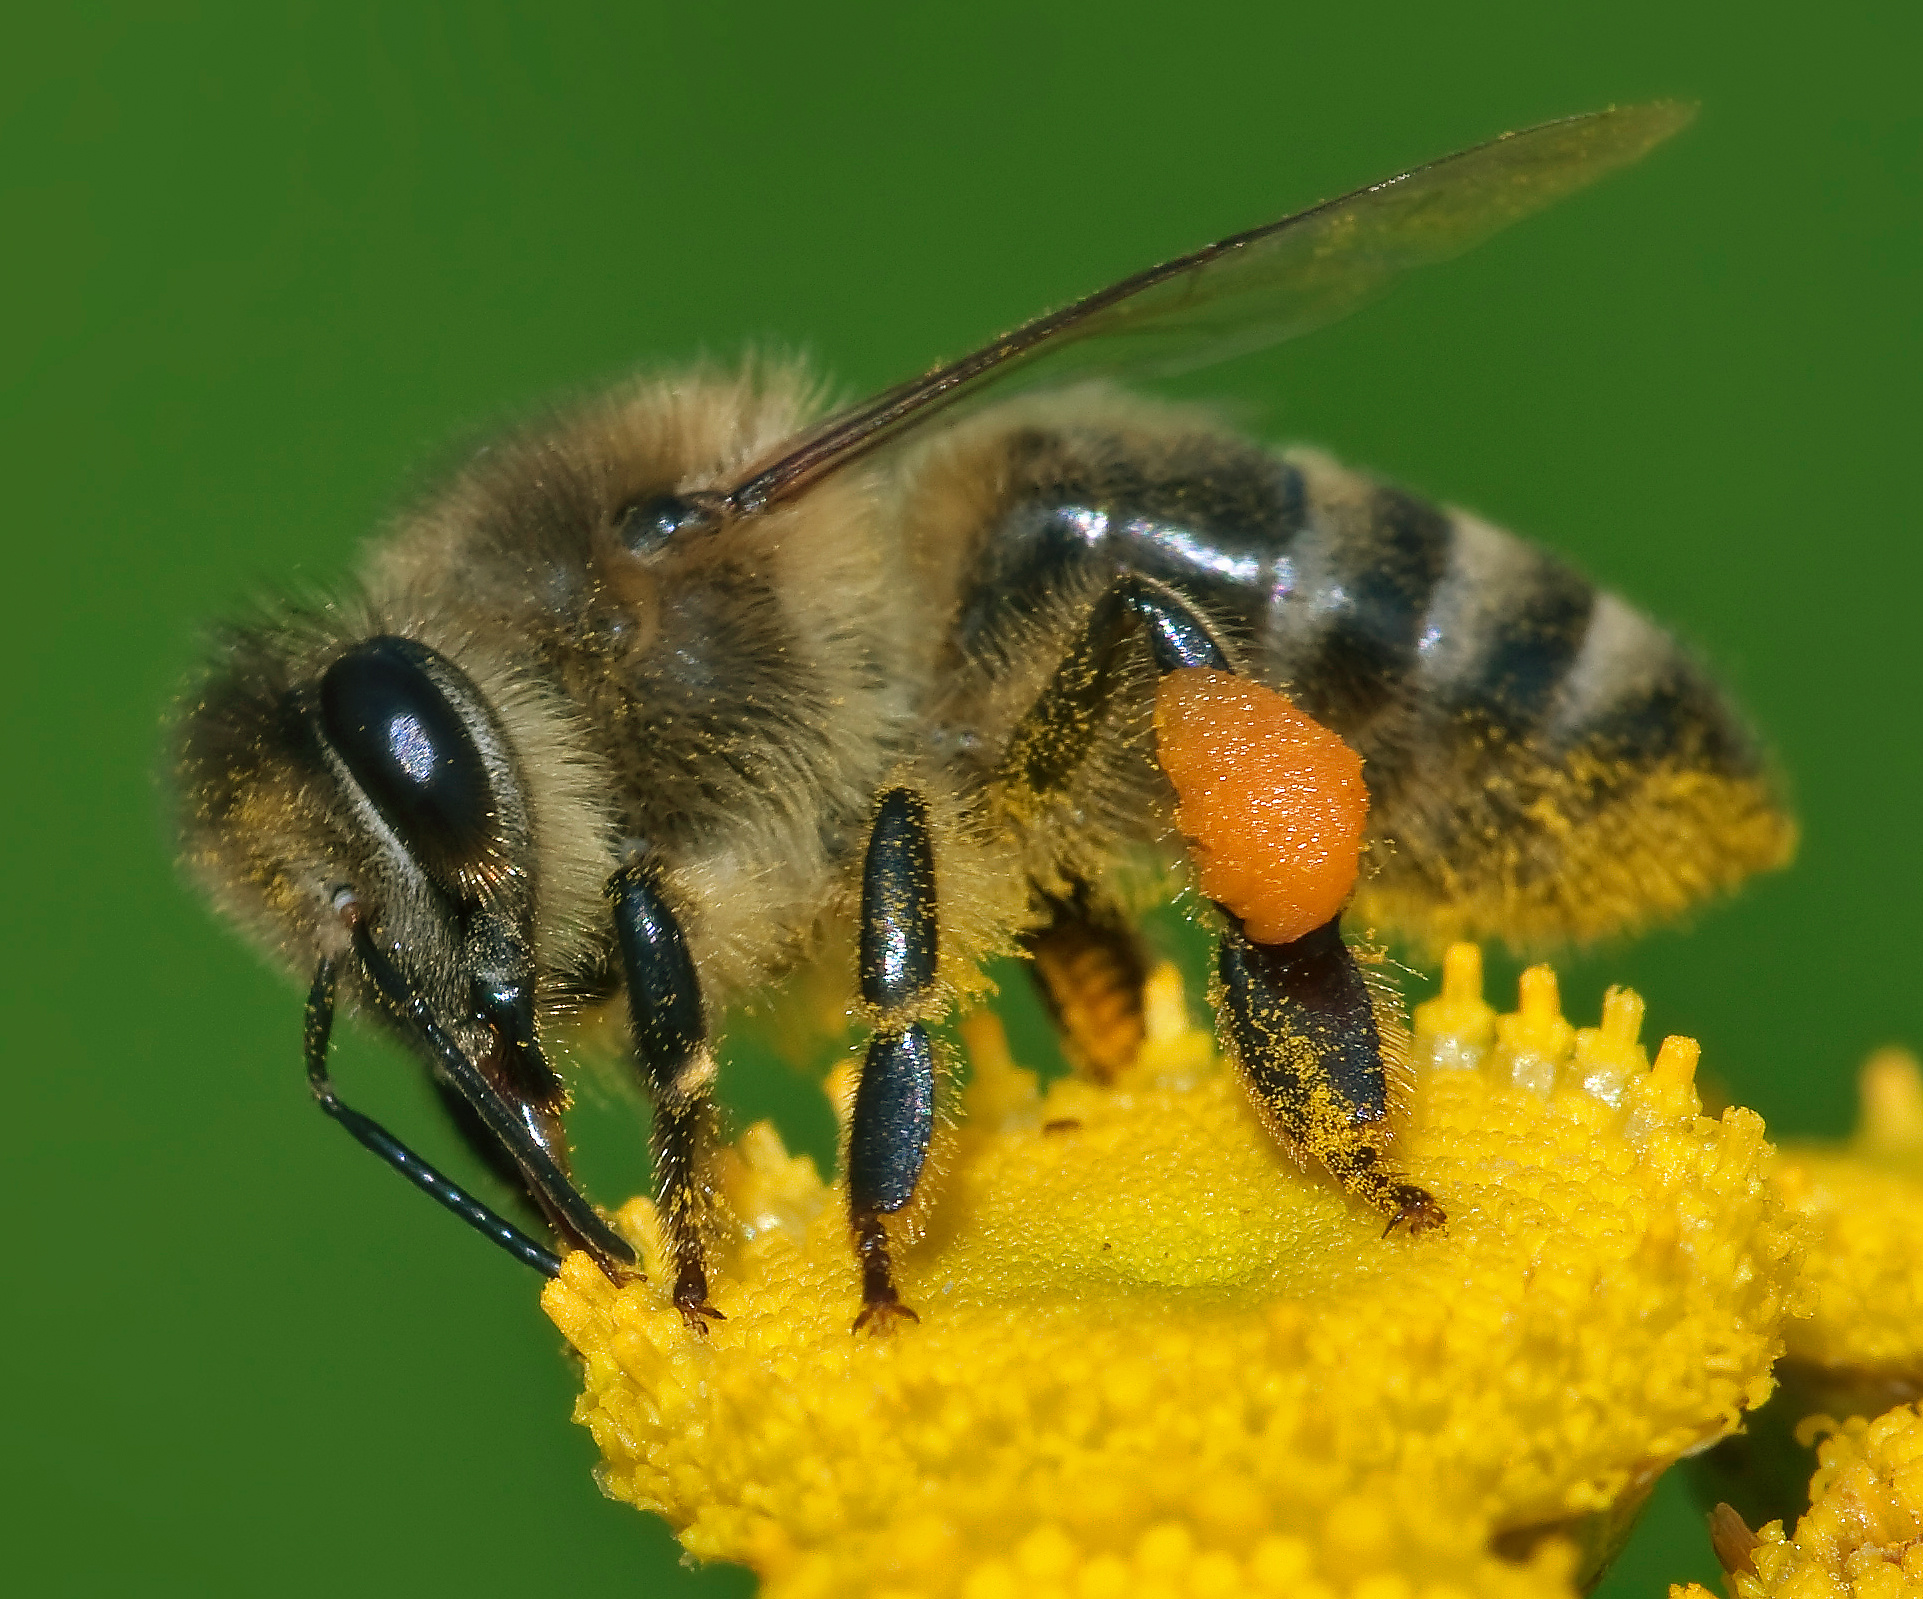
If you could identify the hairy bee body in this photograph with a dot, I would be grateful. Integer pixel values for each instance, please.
(737, 705)
(698, 684)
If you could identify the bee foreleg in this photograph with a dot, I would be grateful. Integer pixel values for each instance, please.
(318, 1030)
(1302, 1028)
(670, 1031)
(894, 1112)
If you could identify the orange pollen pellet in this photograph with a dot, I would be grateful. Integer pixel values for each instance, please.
(1271, 801)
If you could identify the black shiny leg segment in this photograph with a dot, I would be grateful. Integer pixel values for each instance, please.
(1308, 993)
(318, 1030)
(1302, 1027)
(670, 1031)
(894, 1121)
(894, 1113)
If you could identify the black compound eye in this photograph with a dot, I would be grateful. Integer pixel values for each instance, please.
(410, 752)
(646, 524)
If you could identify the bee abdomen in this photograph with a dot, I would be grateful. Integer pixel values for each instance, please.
(1543, 762)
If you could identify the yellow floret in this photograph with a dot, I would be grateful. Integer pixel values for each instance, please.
(1863, 1203)
(1156, 1356)
(1863, 1535)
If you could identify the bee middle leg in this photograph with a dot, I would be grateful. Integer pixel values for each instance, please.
(894, 1112)
(1300, 1019)
(670, 1031)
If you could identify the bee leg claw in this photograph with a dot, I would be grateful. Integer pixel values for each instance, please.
(881, 1306)
(619, 1274)
(879, 1316)
(1416, 1210)
(691, 1292)
(697, 1315)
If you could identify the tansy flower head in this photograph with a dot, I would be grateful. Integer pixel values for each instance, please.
(1863, 1534)
(1157, 1356)
(1859, 1347)
(1863, 1204)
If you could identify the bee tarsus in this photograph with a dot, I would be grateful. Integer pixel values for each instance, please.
(691, 1299)
(1304, 1026)
(881, 1306)
(1416, 1209)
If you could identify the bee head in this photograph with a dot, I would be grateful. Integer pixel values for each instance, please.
(363, 786)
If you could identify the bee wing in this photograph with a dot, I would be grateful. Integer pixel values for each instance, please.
(1250, 290)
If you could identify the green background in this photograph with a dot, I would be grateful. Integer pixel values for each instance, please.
(270, 268)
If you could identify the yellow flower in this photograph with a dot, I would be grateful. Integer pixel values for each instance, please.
(1157, 1357)
(1864, 1207)
(1860, 1345)
(1863, 1534)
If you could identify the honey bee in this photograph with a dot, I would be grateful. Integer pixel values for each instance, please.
(705, 682)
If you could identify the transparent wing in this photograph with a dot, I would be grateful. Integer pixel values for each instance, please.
(1250, 290)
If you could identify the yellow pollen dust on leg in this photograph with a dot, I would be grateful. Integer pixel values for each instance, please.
(1156, 1355)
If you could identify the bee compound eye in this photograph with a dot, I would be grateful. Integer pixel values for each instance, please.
(408, 749)
(646, 524)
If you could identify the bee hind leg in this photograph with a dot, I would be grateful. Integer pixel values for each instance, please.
(1299, 1018)
(1088, 962)
(1301, 1025)
(670, 1032)
(894, 1112)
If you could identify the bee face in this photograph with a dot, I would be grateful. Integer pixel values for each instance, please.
(424, 770)
(341, 782)
(555, 663)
